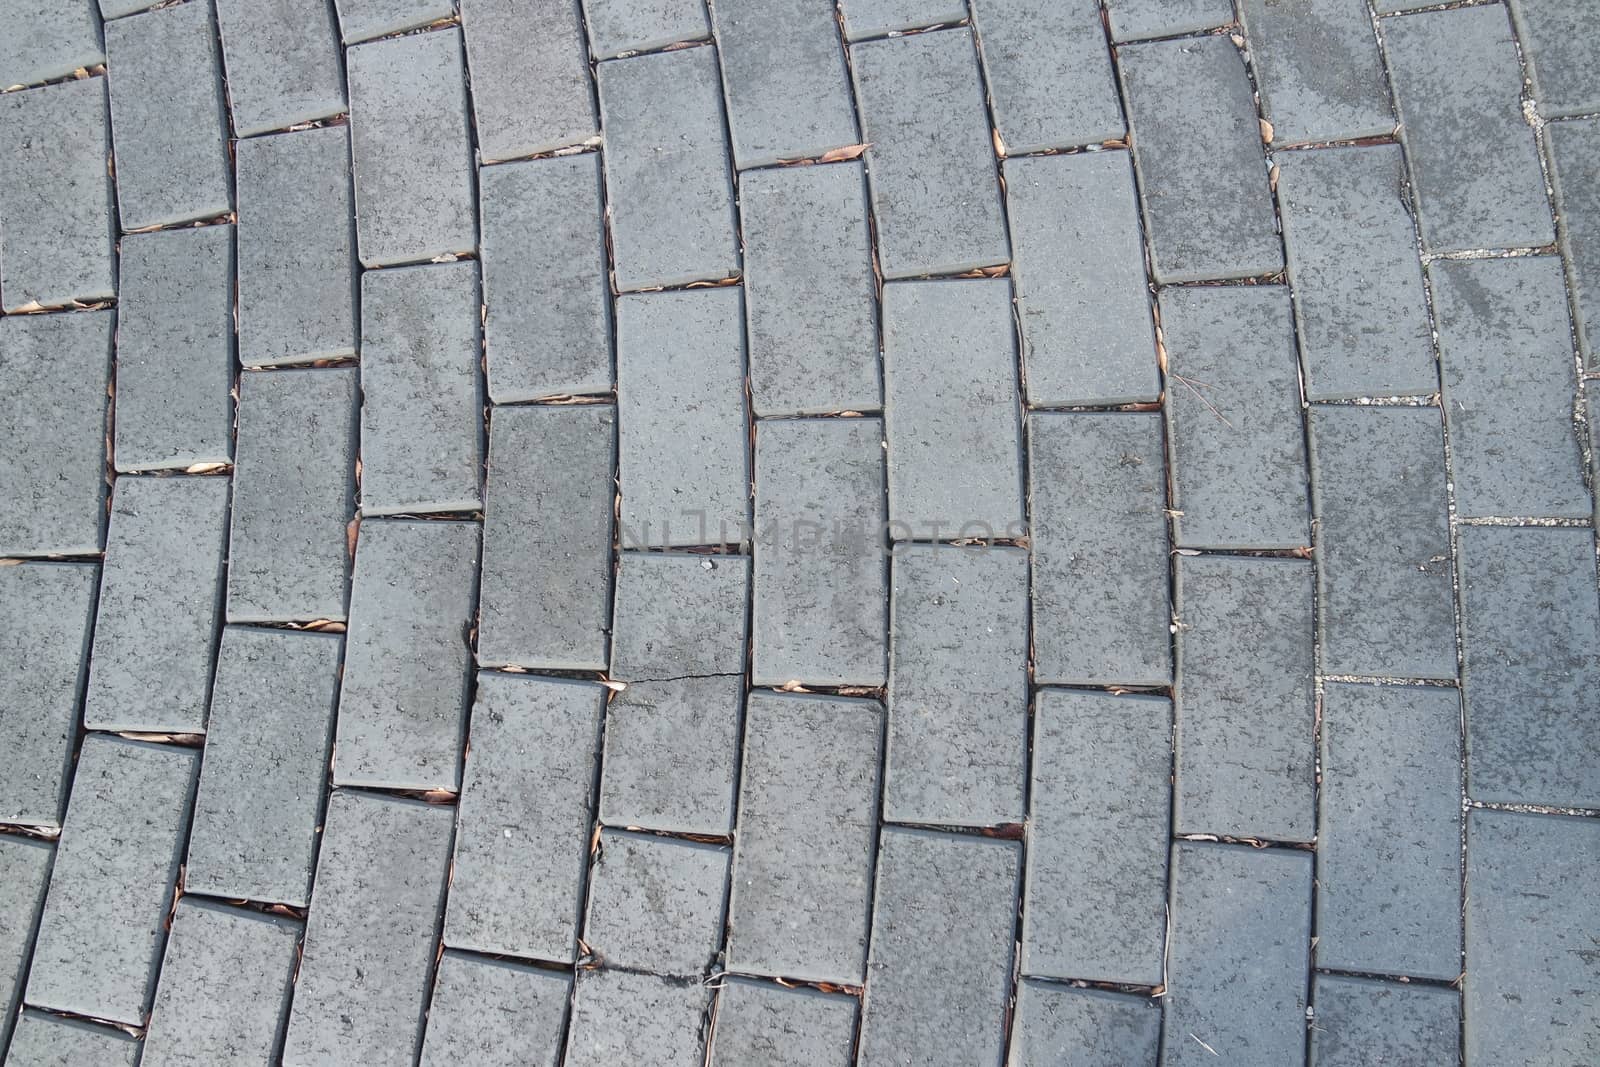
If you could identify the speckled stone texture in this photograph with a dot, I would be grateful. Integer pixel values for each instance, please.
(283, 62)
(27, 863)
(618, 1017)
(1134, 19)
(773, 1025)
(1064, 1026)
(495, 1013)
(1049, 73)
(1318, 68)
(1359, 1022)
(1575, 149)
(44, 42)
(655, 904)
(52, 1041)
(530, 77)
(874, 18)
(618, 26)
(362, 20)
(1558, 40)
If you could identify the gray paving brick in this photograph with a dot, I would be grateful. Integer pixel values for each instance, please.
(362, 20)
(100, 936)
(1078, 268)
(1048, 72)
(679, 615)
(1348, 231)
(1063, 1026)
(1389, 848)
(46, 612)
(495, 1014)
(411, 148)
(293, 496)
(821, 591)
(284, 63)
(160, 597)
(421, 399)
(1245, 700)
(873, 18)
(27, 865)
(655, 904)
(1458, 86)
(1557, 38)
(1514, 445)
(408, 656)
(619, 1017)
(543, 234)
(952, 410)
(1530, 996)
(1385, 601)
(760, 1024)
(552, 536)
(225, 986)
(1575, 147)
(935, 197)
(811, 308)
(1134, 19)
(259, 803)
(1318, 67)
(175, 350)
(618, 26)
(1360, 1022)
(784, 75)
(45, 42)
(530, 77)
(666, 163)
(1197, 143)
(112, 9)
(50, 1041)
(1233, 409)
(1102, 613)
(802, 863)
(942, 929)
(168, 120)
(55, 196)
(1096, 871)
(1241, 929)
(521, 858)
(366, 965)
(297, 248)
(1530, 632)
(958, 686)
(670, 753)
(684, 456)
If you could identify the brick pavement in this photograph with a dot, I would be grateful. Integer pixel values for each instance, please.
(799, 533)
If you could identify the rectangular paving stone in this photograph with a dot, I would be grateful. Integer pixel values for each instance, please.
(168, 120)
(1101, 811)
(362, 20)
(1359, 300)
(618, 26)
(530, 77)
(100, 936)
(684, 455)
(1530, 634)
(802, 861)
(495, 1013)
(1318, 68)
(811, 310)
(1078, 267)
(930, 159)
(421, 399)
(952, 410)
(1056, 1025)
(408, 656)
(670, 192)
(1233, 409)
(1048, 72)
(1557, 37)
(1513, 443)
(522, 855)
(1245, 698)
(366, 965)
(1530, 995)
(671, 749)
(160, 597)
(1102, 612)
(45, 42)
(619, 1017)
(293, 495)
(1134, 19)
(1360, 1021)
(27, 866)
(679, 615)
(1236, 966)
(1197, 144)
(1575, 148)
(284, 63)
(553, 536)
(56, 370)
(259, 803)
(784, 77)
(46, 617)
(226, 981)
(175, 349)
(112, 9)
(411, 148)
(55, 196)
(821, 593)
(1385, 603)
(1389, 846)
(958, 686)
(874, 18)
(50, 1041)
(297, 248)
(655, 904)
(1474, 162)
(942, 928)
(776, 1026)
